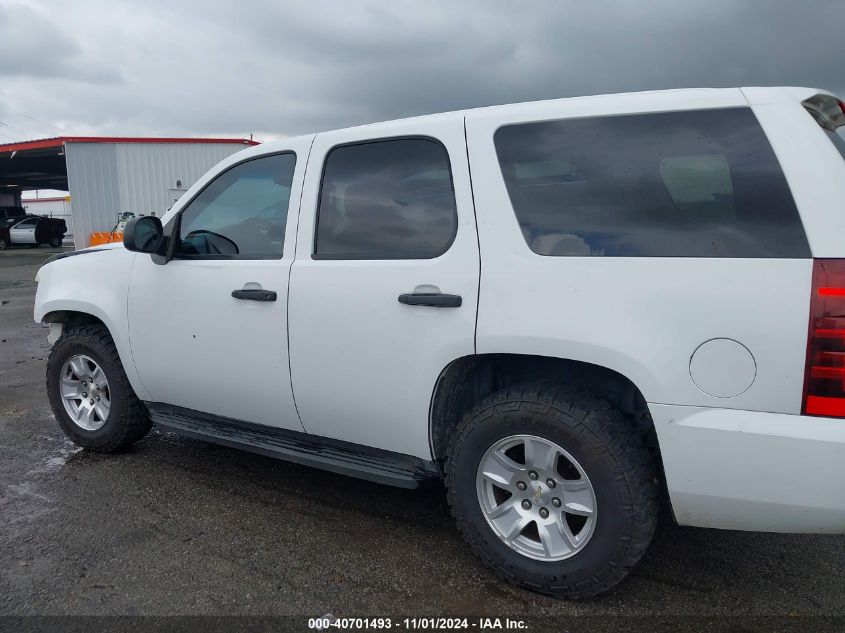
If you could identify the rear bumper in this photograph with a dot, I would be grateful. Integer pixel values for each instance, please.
(749, 470)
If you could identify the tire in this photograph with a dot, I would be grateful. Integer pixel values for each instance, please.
(127, 420)
(55, 242)
(610, 456)
(2, 244)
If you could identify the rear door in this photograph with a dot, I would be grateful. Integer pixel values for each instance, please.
(387, 224)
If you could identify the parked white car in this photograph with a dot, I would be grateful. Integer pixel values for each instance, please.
(32, 230)
(562, 308)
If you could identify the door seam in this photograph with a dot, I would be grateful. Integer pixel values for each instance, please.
(290, 276)
(477, 241)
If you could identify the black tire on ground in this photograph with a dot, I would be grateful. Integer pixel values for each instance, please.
(55, 242)
(619, 467)
(128, 420)
(2, 244)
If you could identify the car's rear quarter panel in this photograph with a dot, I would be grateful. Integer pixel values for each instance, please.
(744, 462)
(640, 316)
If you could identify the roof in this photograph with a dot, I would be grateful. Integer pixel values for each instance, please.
(40, 164)
(49, 199)
(589, 105)
(59, 141)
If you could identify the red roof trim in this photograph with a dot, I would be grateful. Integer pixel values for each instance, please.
(59, 141)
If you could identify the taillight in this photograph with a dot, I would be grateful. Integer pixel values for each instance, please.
(824, 378)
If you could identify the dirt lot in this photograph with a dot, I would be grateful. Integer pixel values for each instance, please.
(178, 526)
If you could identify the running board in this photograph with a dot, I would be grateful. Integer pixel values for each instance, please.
(345, 458)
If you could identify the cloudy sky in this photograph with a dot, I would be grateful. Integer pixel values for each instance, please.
(276, 68)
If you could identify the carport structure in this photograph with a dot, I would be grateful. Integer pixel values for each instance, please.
(107, 176)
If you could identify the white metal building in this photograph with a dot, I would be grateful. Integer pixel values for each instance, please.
(106, 176)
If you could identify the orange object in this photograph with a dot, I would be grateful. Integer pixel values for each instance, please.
(104, 238)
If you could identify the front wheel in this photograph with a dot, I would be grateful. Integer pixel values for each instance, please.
(90, 394)
(552, 489)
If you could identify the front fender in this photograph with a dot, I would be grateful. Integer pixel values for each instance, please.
(94, 283)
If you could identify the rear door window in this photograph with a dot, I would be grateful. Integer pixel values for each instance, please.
(386, 199)
(674, 184)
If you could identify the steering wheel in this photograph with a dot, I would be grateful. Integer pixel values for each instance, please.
(213, 243)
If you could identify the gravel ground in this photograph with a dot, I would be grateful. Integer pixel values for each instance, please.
(178, 526)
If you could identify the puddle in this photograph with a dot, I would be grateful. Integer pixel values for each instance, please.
(22, 505)
(57, 459)
(25, 490)
(64, 454)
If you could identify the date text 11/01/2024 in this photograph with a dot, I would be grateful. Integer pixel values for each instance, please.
(423, 623)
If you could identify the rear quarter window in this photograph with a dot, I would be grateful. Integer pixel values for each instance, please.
(702, 183)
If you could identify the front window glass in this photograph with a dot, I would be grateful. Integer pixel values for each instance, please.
(243, 212)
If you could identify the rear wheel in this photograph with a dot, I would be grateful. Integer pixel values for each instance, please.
(90, 394)
(552, 489)
(2, 244)
(55, 242)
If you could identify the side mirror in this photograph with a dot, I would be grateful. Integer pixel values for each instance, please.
(144, 235)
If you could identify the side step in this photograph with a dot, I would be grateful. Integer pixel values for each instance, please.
(385, 467)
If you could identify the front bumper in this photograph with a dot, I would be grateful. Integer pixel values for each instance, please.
(750, 470)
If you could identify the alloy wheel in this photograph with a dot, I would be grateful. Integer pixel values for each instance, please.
(536, 497)
(85, 392)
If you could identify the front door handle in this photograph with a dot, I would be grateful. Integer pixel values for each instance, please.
(433, 299)
(254, 294)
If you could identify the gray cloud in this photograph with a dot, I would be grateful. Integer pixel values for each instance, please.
(280, 68)
(33, 46)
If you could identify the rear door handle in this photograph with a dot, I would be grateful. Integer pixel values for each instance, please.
(433, 299)
(254, 294)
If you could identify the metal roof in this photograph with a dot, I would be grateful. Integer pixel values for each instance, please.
(48, 199)
(40, 163)
(58, 141)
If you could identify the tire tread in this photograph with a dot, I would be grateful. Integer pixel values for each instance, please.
(133, 422)
(607, 431)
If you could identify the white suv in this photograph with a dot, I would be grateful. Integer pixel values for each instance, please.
(566, 309)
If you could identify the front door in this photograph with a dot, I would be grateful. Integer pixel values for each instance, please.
(385, 282)
(24, 232)
(208, 329)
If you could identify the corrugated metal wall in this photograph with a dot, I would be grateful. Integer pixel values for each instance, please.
(109, 178)
(92, 181)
